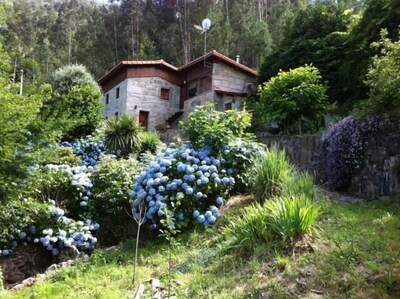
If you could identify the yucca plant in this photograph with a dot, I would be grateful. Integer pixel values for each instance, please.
(299, 183)
(150, 142)
(269, 172)
(122, 136)
(291, 217)
(249, 230)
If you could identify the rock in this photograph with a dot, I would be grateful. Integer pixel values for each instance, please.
(52, 268)
(112, 248)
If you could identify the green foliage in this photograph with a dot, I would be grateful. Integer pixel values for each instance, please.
(292, 98)
(299, 184)
(149, 142)
(291, 217)
(206, 127)
(122, 136)
(19, 215)
(112, 181)
(16, 114)
(70, 76)
(56, 155)
(75, 104)
(249, 230)
(46, 183)
(383, 80)
(314, 35)
(270, 171)
(279, 219)
(378, 15)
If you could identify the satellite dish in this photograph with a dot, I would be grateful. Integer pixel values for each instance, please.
(206, 24)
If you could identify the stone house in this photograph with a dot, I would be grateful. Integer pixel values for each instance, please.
(158, 93)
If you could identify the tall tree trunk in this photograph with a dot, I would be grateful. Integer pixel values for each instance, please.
(115, 40)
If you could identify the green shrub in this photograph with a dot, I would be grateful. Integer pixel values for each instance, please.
(383, 80)
(57, 155)
(297, 184)
(293, 99)
(270, 171)
(206, 127)
(122, 136)
(291, 217)
(112, 181)
(43, 224)
(46, 183)
(149, 142)
(17, 216)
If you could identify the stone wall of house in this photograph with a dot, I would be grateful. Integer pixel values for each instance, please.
(115, 105)
(226, 77)
(379, 176)
(144, 94)
(198, 100)
(170, 135)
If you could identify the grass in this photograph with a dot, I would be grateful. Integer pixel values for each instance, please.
(355, 254)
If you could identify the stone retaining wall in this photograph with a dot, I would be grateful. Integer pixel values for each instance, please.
(380, 174)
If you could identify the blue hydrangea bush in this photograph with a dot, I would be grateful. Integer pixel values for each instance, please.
(88, 149)
(56, 197)
(345, 144)
(44, 224)
(189, 185)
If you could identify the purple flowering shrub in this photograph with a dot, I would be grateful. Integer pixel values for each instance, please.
(188, 185)
(345, 144)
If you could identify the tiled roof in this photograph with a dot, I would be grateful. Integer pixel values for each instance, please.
(210, 55)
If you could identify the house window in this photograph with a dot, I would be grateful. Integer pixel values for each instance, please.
(117, 93)
(107, 98)
(192, 88)
(116, 115)
(165, 93)
(228, 106)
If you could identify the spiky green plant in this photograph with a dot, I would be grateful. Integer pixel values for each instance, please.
(299, 183)
(122, 136)
(150, 142)
(249, 230)
(291, 217)
(270, 170)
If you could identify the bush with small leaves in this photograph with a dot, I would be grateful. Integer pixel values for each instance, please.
(112, 182)
(206, 127)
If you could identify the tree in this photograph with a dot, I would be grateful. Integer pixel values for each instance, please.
(315, 35)
(16, 114)
(383, 80)
(76, 104)
(293, 98)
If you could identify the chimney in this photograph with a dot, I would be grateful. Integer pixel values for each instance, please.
(238, 58)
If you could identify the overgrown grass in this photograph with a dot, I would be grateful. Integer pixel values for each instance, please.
(269, 172)
(355, 254)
